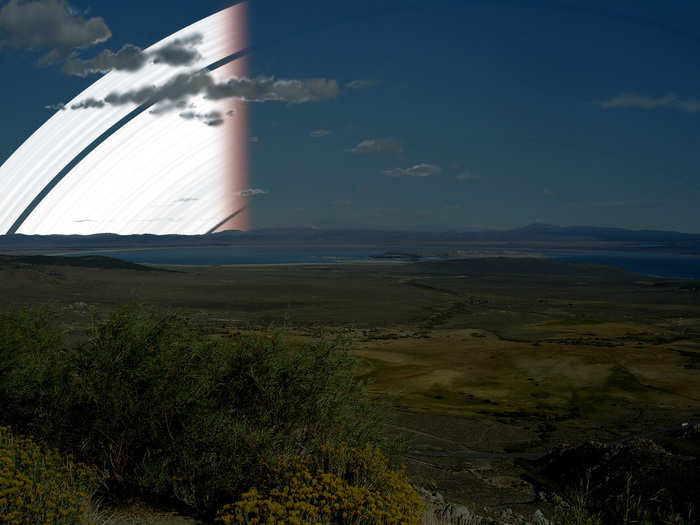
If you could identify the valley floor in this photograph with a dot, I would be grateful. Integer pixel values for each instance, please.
(488, 363)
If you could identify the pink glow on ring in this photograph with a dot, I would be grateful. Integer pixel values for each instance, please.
(236, 127)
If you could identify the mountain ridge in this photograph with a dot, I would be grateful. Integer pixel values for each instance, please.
(535, 236)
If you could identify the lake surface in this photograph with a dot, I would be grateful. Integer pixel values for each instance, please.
(663, 265)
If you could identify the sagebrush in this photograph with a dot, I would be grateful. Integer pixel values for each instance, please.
(172, 412)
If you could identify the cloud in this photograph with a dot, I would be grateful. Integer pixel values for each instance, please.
(176, 89)
(179, 52)
(467, 176)
(212, 118)
(251, 192)
(320, 133)
(128, 58)
(167, 107)
(419, 170)
(668, 101)
(41, 25)
(380, 145)
(187, 199)
(56, 107)
(89, 103)
(360, 84)
(261, 89)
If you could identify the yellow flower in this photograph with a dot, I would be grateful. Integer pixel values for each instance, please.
(319, 489)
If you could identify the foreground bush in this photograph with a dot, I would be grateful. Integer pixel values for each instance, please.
(31, 357)
(339, 486)
(171, 412)
(41, 487)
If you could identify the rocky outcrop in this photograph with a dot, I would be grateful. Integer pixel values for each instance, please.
(439, 512)
(637, 473)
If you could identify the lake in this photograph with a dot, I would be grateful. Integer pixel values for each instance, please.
(664, 265)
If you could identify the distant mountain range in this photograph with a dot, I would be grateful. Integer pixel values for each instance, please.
(531, 237)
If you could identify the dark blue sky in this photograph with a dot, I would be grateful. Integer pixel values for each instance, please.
(545, 112)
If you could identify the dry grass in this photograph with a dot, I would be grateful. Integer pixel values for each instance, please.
(136, 514)
(457, 373)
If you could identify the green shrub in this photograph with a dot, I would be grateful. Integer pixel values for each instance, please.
(171, 412)
(31, 356)
(41, 487)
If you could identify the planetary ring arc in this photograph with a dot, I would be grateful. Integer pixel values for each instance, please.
(99, 140)
(123, 169)
(224, 221)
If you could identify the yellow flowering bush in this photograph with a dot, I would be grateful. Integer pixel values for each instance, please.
(40, 487)
(341, 485)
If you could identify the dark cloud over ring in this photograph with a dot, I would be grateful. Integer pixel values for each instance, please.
(180, 52)
(184, 85)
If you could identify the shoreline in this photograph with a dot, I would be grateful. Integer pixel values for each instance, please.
(652, 265)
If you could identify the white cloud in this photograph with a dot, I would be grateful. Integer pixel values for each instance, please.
(379, 145)
(668, 101)
(419, 170)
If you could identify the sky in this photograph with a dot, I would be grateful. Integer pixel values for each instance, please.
(444, 115)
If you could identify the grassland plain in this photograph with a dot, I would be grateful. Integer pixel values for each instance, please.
(487, 361)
